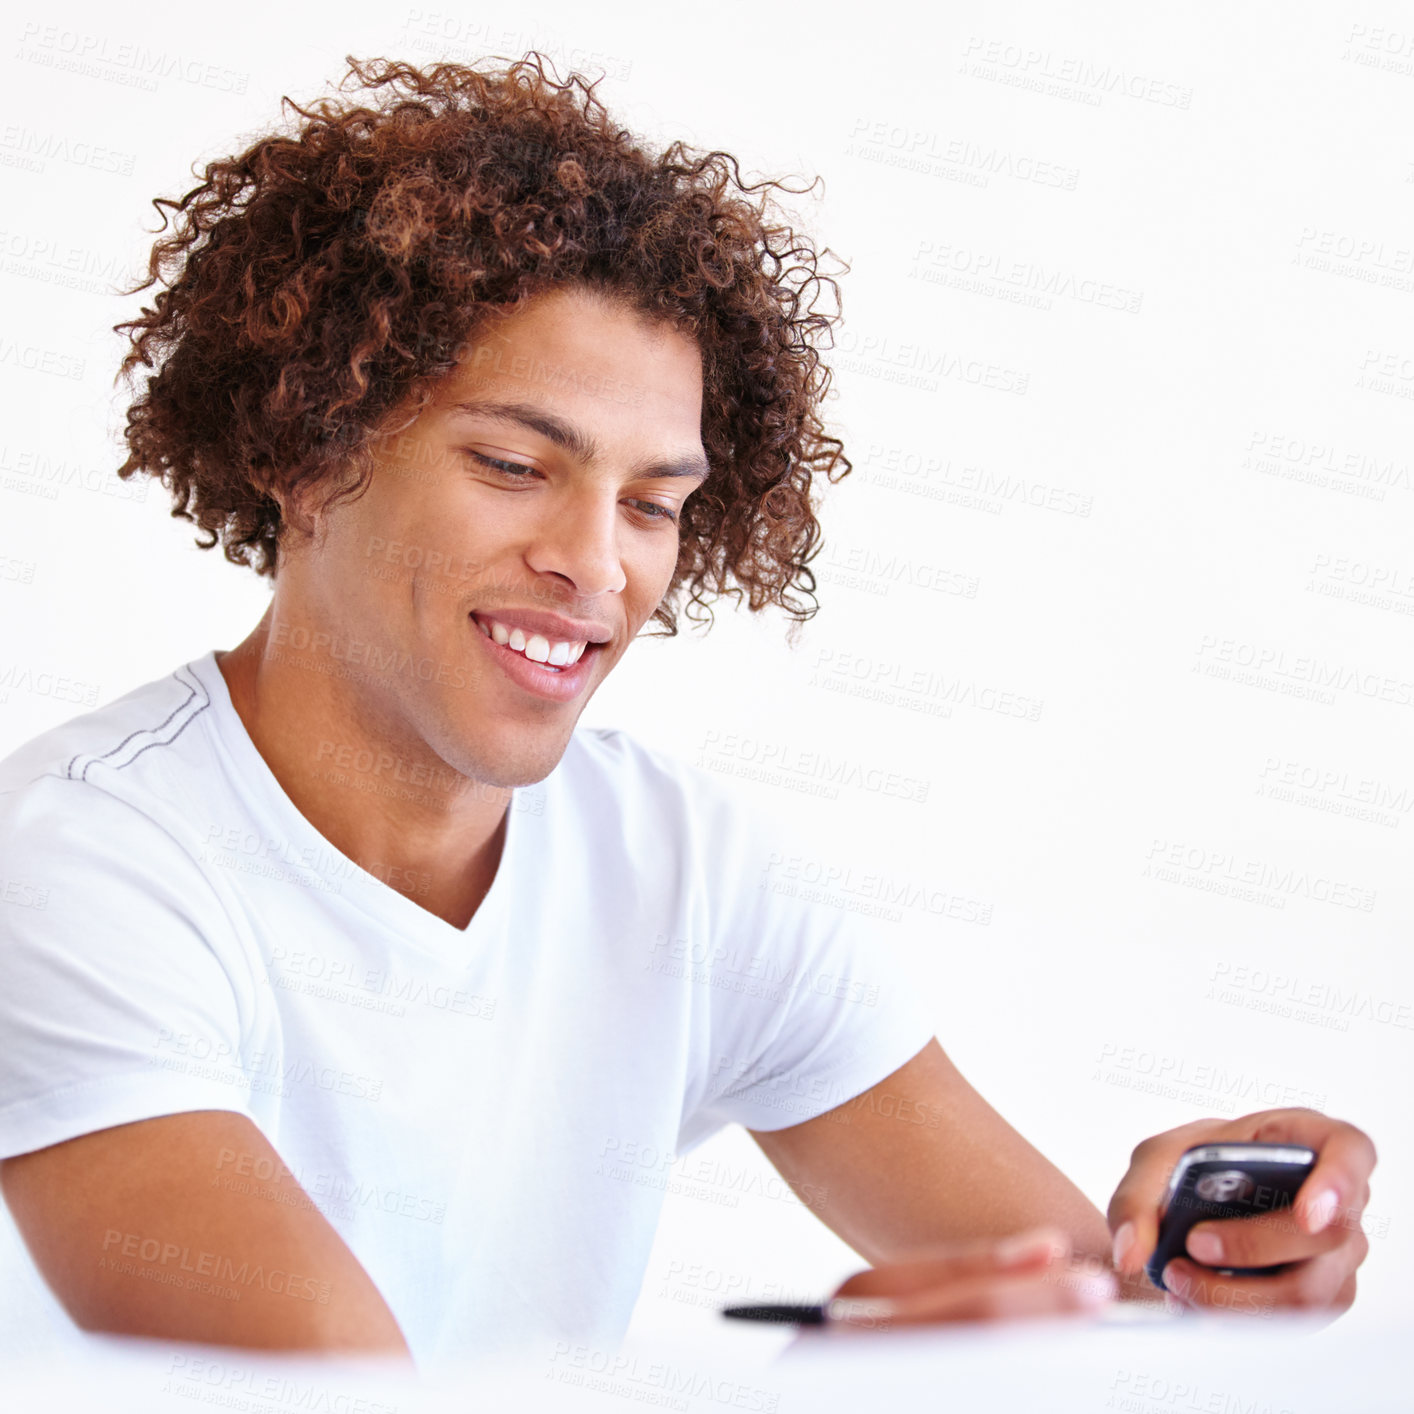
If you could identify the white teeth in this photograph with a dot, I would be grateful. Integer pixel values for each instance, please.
(557, 653)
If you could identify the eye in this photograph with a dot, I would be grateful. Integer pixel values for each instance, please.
(518, 470)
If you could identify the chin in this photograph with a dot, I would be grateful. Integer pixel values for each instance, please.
(524, 760)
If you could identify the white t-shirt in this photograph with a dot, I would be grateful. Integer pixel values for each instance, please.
(488, 1116)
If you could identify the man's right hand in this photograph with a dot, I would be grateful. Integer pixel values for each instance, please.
(190, 1227)
(990, 1279)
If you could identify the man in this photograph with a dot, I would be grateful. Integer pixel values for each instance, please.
(371, 1001)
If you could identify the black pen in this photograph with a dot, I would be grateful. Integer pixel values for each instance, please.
(841, 1309)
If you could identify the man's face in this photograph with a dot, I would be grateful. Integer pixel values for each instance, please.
(536, 495)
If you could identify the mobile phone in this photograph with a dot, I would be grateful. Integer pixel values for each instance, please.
(1218, 1181)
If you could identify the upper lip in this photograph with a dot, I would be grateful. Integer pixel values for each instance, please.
(550, 626)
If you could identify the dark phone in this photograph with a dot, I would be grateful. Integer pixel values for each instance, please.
(1216, 1181)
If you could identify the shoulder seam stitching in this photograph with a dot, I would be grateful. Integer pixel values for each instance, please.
(194, 689)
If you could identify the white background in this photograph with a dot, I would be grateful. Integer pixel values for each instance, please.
(1212, 480)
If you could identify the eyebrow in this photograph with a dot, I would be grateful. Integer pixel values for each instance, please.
(572, 440)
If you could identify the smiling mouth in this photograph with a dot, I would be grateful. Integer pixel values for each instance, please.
(554, 655)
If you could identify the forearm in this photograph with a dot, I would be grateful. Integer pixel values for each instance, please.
(135, 1236)
(922, 1160)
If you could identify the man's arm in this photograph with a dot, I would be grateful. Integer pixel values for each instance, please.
(190, 1227)
(922, 1159)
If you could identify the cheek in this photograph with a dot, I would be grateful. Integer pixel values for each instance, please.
(649, 566)
(369, 525)
(439, 534)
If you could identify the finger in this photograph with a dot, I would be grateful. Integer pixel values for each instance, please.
(999, 1297)
(1336, 1187)
(1319, 1283)
(1261, 1240)
(1335, 1190)
(1036, 1248)
(1133, 1213)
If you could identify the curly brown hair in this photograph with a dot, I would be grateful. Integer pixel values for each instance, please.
(325, 276)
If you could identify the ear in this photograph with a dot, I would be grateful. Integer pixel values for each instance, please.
(296, 520)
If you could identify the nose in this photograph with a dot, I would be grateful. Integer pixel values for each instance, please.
(578, 539)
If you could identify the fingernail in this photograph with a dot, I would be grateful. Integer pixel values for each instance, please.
(1026, 1247)
(1322, 1210)
(860, 1310)
(1175, 1281)
(1097, 1289)
(1123, 1238)
(1205, 1247)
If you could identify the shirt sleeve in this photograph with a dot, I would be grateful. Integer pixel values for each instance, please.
(810, 1004)
(114, 1003)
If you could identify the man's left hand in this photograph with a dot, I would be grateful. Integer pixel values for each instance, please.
(1319, 1236)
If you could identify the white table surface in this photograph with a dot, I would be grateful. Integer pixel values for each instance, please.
(1186, 1365)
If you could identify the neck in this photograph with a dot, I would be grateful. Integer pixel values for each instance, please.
(435, 836)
